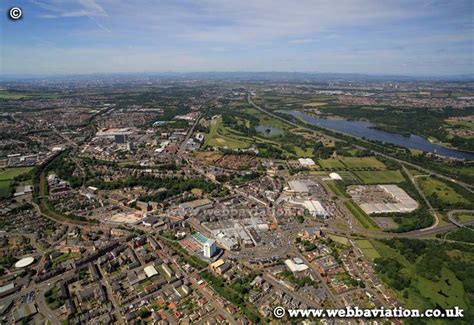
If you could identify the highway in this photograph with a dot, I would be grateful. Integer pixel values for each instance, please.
(433, 229)
(467, 186)
(456, 222)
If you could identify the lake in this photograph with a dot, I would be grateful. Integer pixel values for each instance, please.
(364, 129)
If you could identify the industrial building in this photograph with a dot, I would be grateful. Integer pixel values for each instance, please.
(196, 205)
(377, 199)
(306, 162)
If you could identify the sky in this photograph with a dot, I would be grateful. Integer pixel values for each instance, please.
(422, 38)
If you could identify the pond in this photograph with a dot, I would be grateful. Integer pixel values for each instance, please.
(268, 130)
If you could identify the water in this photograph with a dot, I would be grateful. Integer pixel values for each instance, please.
(363, 129)
(263, 129)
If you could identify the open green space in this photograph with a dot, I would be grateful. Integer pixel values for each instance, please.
(352, 163)
(331, 163)
(442, 195)
(339, 239)
(362, 162)
(11, 173)
(64, 257)
(349, 177)
(52, 298)
(465, 217)
(236, 129)
(380, 176)
(7, 175)
(220, 136)
(367, 248)
(6, 94)
(360, 215)
(338, 188)
(428, 274)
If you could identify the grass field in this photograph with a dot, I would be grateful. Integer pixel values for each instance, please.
(367, 248)
(340, 240)
(7, 175)
(5, 94)
(441, 191)
(349, 176)
(380, 177)
(11, 173)
(315, 104)
(423, 293)
(337, 187)
(220, 136)
(352, 163)
(465, 217)
(360, 215)
(363, 162)
(331, 163)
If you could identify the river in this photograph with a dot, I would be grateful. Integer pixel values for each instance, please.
(363, 129)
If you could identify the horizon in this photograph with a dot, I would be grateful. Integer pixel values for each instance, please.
(257, 75)
(82, 37)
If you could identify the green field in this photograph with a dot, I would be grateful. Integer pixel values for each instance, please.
(220, 136)
(349, 177)
(465, 217)
(380, 176)
(445, 291)
(338, 188)
(7, 175)
(363, 162)
(340, 240)
(367, 248)
(5, 94)
(11, 173)
(331, 163)
(360, 215)
(438, 191)
(352, 163)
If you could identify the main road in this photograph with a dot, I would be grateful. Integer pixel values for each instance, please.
(468, 187)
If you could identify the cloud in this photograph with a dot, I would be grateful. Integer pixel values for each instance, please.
(68, 8)
(339, 36)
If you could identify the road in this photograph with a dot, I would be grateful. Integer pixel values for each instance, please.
(427, 202)
(456, 222)
(468, 187)
(433, 229)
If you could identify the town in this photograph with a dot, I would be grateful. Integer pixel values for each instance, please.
(213, 202)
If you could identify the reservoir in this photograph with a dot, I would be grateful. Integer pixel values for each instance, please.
(363, 129)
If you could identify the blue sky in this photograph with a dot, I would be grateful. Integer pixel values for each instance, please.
(351, 36)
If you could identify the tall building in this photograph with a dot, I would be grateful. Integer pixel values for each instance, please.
(209, 248)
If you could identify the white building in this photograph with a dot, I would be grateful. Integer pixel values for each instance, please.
(335, 176)
(209, 248)
(306, 162)
(315, 208)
